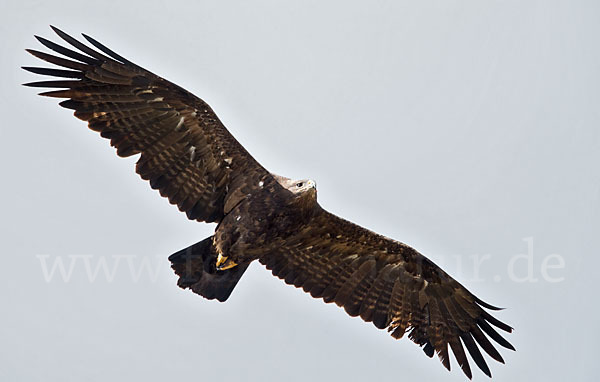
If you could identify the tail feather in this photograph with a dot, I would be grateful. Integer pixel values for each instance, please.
(195, 266)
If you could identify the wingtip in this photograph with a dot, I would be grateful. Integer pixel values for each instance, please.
(428, 349)
(35, 53)
(34, 84)
(468, 373)
(69, 104)
(488, 372)
(45, 42)
(61, 34)
(55, 94)
(42, 40)
(486, 305)
(55, 29)
(90, 39)
(31, 69)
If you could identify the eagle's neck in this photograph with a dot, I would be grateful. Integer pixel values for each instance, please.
(306, 203)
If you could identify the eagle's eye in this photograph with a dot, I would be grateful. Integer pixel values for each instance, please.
(299, 184)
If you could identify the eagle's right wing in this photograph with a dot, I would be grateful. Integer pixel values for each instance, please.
(390, 284)
(186, 152)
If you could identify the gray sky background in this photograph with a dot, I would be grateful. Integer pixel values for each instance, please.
(467, 129)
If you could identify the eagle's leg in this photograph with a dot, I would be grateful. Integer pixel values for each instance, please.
(224, 262)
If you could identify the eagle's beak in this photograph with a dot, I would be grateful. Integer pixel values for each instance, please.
(223, 263)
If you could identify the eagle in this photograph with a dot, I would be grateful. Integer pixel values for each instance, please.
(188, 155)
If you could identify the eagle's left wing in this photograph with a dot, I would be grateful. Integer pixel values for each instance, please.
(390, 284)
(186, 152)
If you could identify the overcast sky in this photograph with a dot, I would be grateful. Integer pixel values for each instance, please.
(466, 129)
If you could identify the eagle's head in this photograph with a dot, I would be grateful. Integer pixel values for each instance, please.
(305, 193)
(302, 189)
(302, 186)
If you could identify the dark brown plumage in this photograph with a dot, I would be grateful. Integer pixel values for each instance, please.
(189, 156)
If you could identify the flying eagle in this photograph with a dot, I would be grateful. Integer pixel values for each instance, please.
(191, 159)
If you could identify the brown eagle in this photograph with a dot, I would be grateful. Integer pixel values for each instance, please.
(190, 158)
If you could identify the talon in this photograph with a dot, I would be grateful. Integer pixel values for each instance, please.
(224, 263)
(221, 260)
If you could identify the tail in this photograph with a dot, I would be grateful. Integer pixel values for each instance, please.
(195, 266)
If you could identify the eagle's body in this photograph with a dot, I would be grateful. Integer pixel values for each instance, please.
(264, 219)
(189, 157)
